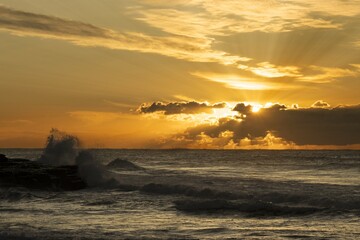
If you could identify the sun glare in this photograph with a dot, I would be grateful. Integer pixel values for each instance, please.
(223, 112)
(255, 109)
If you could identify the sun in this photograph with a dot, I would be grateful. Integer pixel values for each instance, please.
(255, 109)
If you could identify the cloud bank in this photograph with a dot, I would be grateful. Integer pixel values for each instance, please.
(275, 126)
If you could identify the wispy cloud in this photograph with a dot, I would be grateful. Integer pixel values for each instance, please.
(189, 35)
(290, 77)
(238, 82)
(212, 21)
(318, 74)
(83, 34)
(186, 23)
(266, 69)
(16, 122)
(245, 16)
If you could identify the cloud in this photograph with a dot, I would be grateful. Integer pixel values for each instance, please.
(320, 104)
(276, 126)
(267, 74)
(312, 74)
(191, 24)
(320, 74)
(246, 16)
(225, 141)
(269, 141)
(266, 69)
(243, 109)
(238, 82)
(356, 66)
(190, 35)
(181, 47)
(276, 16)
(16, 122)
(23, 21)
(302, 31)
(179, 107)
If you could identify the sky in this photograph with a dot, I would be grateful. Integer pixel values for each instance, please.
(269, 74)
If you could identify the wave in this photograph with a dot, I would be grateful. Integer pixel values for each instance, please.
(274, 201)
(100, 203)
(209, 200)
(212, 230)
(127, 187)
(257, 208)
(156, 188)
(13, 195)
(64, 149)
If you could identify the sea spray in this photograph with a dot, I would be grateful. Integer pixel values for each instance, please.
(61, 149)
(64, 149)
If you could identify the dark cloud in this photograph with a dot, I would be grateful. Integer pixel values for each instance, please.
(242, 108)
(180, 107)
(302, 126)
(15, 20)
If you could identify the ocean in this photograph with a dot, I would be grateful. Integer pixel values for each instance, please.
(196, 194)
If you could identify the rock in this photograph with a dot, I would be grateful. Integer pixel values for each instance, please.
(124, 165)
(3, 158)
(34, 175)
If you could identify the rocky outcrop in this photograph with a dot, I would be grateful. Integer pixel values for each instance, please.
(122, 164)
(34, 175)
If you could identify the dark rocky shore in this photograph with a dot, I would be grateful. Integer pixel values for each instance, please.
(34, 175)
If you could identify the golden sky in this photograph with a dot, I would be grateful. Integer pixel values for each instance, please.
(182, 73)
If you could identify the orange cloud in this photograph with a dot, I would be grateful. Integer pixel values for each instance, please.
(83, 34)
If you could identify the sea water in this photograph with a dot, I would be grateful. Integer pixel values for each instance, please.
(196, 194)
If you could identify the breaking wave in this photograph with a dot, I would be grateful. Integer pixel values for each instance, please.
(64, 149)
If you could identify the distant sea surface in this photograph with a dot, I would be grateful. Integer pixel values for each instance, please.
(196, 194)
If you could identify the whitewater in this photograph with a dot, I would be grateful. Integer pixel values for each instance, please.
(194, 194)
